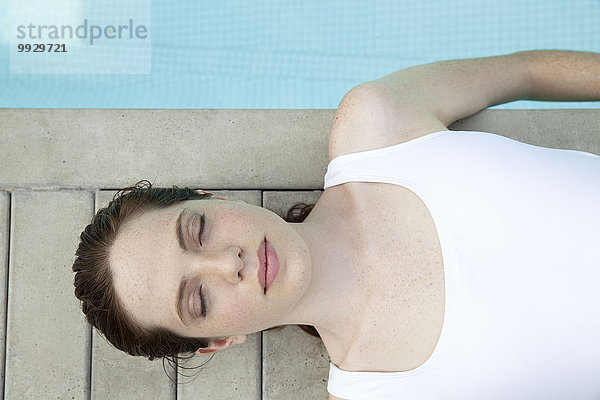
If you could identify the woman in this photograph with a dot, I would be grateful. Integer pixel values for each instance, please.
(436, 264)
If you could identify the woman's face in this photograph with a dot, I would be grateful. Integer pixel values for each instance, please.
(148, 267)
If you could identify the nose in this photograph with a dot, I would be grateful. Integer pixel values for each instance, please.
(222, 264)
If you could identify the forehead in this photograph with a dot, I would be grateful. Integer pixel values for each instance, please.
(143, 263)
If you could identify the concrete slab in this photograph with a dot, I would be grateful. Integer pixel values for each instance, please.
(4, 246)
(48, 339)
(295, 364)
(281, 202)
(570, 129)
(232, 374)
(227, 149)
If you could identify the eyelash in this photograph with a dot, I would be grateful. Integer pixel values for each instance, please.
(202, 301)
(202, 220)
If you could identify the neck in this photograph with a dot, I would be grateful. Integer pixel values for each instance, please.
(333, 302)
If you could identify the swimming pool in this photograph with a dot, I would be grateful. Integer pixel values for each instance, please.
(278, 55)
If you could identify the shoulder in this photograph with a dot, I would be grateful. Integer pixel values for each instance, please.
(368, 118)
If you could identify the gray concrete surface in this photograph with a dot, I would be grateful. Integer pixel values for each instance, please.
(47, 338)
(4, 232)
(220, 149)
(59, 166)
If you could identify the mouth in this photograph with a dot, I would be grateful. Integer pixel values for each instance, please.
(268, 264)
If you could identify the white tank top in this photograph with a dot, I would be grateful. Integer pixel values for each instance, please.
(519, 228)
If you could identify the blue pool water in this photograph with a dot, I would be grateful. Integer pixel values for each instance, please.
(302, 54)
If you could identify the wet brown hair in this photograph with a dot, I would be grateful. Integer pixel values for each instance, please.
(94, 283)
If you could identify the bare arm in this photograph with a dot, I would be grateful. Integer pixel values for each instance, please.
(563, 75)
(455, 89)
(426, 98)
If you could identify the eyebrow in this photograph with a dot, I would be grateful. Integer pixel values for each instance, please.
(179, 229)
(182, 285)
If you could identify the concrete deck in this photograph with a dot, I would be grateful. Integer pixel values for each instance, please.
(57, 167)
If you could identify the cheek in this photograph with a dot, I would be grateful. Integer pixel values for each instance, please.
(235, 316)
(234, 227)
(235, 218)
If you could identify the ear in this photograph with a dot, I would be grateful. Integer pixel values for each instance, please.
(221, 344)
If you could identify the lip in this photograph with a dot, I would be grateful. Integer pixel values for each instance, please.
(268, 264)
